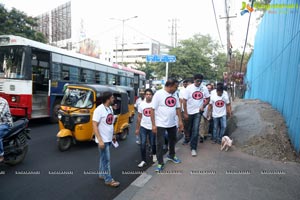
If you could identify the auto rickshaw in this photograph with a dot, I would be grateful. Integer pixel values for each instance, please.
(76, 113)
(130, 92)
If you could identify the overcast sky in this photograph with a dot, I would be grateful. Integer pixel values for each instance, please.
(194, 16)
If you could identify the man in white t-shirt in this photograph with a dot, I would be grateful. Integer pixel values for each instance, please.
(144, 127)
(220, 105)
(193, 107)
(165, 106)
(103, 119)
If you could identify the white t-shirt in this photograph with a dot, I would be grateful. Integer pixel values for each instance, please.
(164, 105)
(105, 116)
(219, 104)
(195, 96)
(145, 110)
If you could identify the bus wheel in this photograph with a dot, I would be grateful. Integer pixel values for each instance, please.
(64, 143)
(124, 134)
(56, 107)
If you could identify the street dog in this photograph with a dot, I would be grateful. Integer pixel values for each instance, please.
(226, 143)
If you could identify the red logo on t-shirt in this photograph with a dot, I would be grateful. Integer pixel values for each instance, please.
(219, 103)
(197, 95)
(170, 102)
(147, 112)
(109, 119)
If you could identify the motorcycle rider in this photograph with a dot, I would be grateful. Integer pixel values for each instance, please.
(6, 123)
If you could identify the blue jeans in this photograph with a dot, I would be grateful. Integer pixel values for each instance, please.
(4, 129)
(194, 122)
(218, 134)
(143, 136)
(104, 164)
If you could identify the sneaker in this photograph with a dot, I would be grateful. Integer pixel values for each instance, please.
(174, 159)
(194, 153)
(138, 142)
(154, 158)
(142, 164)
(159, 168)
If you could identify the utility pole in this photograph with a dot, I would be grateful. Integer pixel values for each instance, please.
(174, 32)
(123, 25)
(229, 45)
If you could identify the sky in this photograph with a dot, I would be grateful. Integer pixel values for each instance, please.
(153, 21)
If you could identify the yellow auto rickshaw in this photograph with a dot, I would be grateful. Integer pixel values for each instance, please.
(76, 113)
(131, 100)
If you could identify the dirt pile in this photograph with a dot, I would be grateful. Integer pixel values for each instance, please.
(259, 130)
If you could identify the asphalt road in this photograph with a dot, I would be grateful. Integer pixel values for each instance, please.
(47, 173)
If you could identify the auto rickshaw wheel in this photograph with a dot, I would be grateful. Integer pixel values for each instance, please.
(131, 119)
(56, 107)
(124, 134)
(64, 143)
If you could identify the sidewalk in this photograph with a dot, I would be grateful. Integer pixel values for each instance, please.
(217, 175)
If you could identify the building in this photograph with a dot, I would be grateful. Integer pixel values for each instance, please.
(65, 27)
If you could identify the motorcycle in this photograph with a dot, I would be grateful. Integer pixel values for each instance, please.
(15, 142)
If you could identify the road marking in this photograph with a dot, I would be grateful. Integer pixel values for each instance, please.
(142, 180)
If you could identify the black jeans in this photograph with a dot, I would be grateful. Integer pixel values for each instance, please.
(160, 141)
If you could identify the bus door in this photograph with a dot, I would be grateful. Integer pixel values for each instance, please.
(40, 83)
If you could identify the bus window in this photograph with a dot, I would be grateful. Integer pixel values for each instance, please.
(65, 72)
(111, 79)
(11, 62)
(129, 82)
(55, 72)
(123, 81)
(87, 76)
(74, 74)
(101, 78)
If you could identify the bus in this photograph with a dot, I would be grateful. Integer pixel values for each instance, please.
(33, 75)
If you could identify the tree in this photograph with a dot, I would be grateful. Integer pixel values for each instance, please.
(15, 22)
(199, 54)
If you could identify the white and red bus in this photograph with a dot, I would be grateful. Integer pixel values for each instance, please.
(33, 74)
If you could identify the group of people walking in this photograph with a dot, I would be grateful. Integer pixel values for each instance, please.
(161, 116)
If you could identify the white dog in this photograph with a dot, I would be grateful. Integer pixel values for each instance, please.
(226, 143)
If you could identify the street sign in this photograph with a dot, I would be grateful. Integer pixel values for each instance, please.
(160, 58)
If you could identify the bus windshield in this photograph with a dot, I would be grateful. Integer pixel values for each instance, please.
(12, 62)
(78, 98)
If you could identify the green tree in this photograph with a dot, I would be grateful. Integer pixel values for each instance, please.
(15, 22)
(199, 54)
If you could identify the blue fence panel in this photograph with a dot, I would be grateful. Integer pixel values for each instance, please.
(273, 71)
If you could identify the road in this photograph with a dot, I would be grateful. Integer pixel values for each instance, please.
(40, 175)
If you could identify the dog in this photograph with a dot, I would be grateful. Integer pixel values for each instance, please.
(226, 143)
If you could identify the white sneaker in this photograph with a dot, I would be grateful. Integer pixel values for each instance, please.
(154, 158)
(138, 142)
(194, 153)
(142, 164)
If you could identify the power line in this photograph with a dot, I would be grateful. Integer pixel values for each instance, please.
(212, 1)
